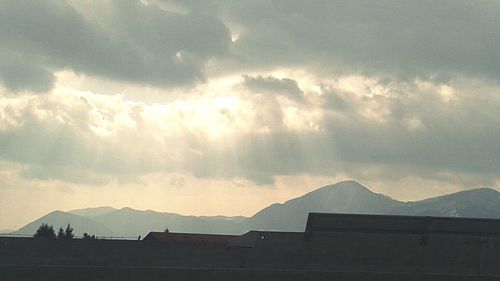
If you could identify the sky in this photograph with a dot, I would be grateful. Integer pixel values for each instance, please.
(210, 107)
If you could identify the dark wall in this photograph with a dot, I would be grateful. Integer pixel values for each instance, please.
(114, 252)
(72, 273)
(410, 253)
(288, 255)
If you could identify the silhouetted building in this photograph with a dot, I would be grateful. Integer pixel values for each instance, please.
(189, 237)
(324, 223)
(332, 247)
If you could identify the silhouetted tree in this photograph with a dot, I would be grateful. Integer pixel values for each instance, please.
(68, 233)
(45, 231)
(60, 233)
(86, 236)
(65, 234)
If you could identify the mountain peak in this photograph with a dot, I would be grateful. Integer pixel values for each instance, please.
(57, 213)
(343, 197)
(348, 183)
(91, 212)
(347, 188)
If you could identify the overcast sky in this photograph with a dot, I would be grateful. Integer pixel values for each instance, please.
(224, 107)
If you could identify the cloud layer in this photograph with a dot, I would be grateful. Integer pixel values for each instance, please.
(416, 128)
(181, 43)
(100, 95)
(122, 40)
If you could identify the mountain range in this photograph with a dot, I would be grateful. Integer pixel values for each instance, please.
(343, 197)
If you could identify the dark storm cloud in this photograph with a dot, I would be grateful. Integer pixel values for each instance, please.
(18, 72)
(422, 38)
(406, 39)
(144, 42)
(445, 146)
(139, 43)
(271, 85)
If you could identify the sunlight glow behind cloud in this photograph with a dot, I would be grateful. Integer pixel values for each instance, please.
(262, 100)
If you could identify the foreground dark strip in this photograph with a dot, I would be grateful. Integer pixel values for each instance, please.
(157, 273)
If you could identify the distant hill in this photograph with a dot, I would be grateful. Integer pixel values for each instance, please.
(61, 219)
(475, 203)
(92, 212)
(6, 231)
(343, 197)
(134, 222)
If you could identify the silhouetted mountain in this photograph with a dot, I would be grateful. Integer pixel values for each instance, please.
(62, 219)
(343, 197)
(475, 203)
(92, 212)
(134, 222)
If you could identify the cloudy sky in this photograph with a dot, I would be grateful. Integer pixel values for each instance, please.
(223, 107)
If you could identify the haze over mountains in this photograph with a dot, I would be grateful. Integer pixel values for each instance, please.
(343, 197)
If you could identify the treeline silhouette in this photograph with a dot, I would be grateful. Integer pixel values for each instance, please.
(47, 231)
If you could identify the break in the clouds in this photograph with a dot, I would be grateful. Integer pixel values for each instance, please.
(249, 93)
